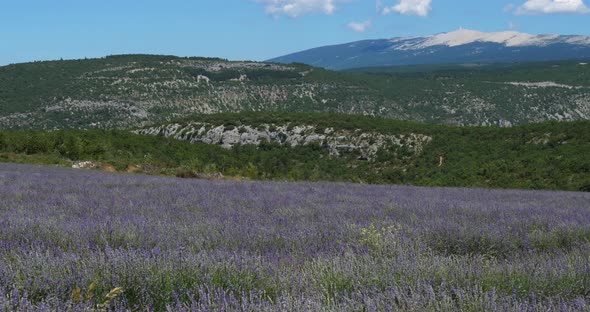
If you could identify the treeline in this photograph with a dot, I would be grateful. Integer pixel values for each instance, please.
(565, 72)
(535, 156)
(157, 155)
(321, 120)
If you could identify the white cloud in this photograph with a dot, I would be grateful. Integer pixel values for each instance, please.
(410, 7)
(552, 6)
(360, 27)
(296, 8)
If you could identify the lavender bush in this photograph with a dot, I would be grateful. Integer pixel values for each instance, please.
(68, 238)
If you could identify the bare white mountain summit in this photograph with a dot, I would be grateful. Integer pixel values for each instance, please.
(460, 46)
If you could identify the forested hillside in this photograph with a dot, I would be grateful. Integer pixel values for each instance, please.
(536, 156)
(135, 90)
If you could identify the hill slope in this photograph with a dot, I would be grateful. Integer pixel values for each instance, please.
(327, 147)
(461, 46)
(135, 90)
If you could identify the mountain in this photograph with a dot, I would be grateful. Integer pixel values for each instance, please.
(457, 47)
(130, 91)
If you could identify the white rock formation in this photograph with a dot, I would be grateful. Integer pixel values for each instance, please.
(337, 142)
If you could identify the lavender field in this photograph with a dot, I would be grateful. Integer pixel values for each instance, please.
(68, 238)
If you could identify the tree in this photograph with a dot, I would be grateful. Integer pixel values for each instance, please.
(37, 143)
(3, 142)
(72, 147)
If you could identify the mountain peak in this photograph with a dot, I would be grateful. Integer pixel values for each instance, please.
(467, 36)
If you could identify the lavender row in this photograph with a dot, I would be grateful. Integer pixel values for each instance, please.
(67, 238)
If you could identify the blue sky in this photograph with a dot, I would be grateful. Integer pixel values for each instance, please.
(256, 29)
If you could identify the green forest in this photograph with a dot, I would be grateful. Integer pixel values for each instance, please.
(535, 156)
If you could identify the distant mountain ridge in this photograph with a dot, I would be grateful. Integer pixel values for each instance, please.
(130, 91)
(460, 46)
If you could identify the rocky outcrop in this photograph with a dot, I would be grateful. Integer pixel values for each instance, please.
(365, 144)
